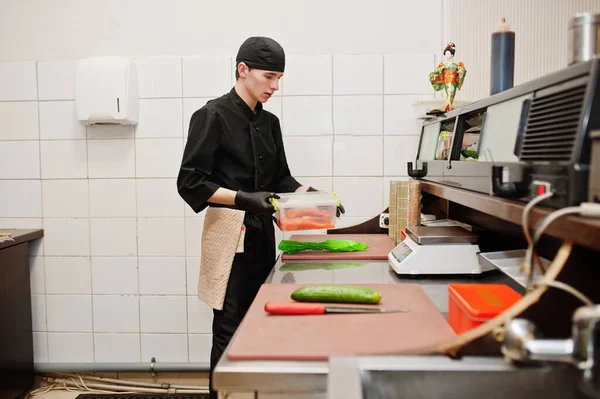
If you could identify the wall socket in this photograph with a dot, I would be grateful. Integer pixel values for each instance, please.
(384, 220)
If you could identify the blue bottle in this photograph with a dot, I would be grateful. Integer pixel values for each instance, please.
(503, 59)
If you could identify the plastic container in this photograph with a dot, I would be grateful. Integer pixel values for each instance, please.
(470, 305)
(315, 210)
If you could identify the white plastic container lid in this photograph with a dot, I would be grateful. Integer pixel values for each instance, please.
(310, 199)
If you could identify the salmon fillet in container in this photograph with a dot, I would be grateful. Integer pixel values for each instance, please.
(315, 210)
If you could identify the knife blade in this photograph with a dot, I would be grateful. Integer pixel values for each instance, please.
(301, 308)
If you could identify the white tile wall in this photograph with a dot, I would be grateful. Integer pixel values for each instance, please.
(18, 81)
(165, 347)
(161, 237)
(358, 155)
(116, 314)
(193, 235)
(398, 150)
(307, 75)
(162, 276)
(37, 274)
(307, 116)
(275, 105)
(362, 196)
(402, 72)
(159, 198)
(400, 118)
(117, 348)
(113, 236)
(64, 159)
(66, 237)
(38, 312)
(200, 316)
(20, 160)
(110, 132)
(111, 158)
(25, 200)
(309, 156)
(55, 192)
(68, 275)
(115, 277)
(70, 348)
(40, 347)
(69, 313)
(158, 157)
(160, 119)
(361, 115)
(19, 120)
(357, 74)
(56, 80)
(200, 345)
(112, 198)
(206, 76)
(163, 314)
(192, 264)
(25, 223)
(36, 248)
(58, 121)
(159, 77)
(318, 183)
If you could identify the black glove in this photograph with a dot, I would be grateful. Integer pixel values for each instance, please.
(340, 208)
(256, 202)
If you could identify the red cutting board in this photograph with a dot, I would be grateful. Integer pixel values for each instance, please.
(262, 336)
(380, 246)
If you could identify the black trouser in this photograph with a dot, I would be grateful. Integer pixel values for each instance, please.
(248, 272)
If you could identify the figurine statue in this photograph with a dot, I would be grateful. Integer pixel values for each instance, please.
(448, 76)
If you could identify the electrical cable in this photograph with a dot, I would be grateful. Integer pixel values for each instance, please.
(567, 288)
(134, 383)
(70, 384)
(525, 224)
(585, 209)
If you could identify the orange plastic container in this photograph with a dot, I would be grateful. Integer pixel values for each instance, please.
(470, 305)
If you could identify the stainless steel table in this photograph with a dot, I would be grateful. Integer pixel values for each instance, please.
(308, 379)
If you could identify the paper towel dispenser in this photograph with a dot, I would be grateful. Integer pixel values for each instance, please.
(106, 91)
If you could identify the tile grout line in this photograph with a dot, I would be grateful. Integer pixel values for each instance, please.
(137, 240)
(187, 316)
(383, 125)
(333, 133)
(37, 86)
(87, 151)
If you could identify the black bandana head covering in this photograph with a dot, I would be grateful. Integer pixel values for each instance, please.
(262, 53)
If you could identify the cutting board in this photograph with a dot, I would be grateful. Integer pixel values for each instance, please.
(262, 336)
(379, 247)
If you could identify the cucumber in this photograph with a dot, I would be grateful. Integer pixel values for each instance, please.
(336, 293)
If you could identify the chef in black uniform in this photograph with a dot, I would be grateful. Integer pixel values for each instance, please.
(234, 157)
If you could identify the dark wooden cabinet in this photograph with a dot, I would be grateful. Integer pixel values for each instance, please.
(16, 337)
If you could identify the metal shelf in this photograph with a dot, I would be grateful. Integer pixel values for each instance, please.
(579, 230)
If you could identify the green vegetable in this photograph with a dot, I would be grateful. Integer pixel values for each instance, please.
(298, 267)
(470, 154)
(336, 293)
(291, 247)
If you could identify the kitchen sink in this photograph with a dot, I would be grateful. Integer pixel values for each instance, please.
(441, 377)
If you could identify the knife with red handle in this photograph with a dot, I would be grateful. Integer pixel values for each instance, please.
(302, 308)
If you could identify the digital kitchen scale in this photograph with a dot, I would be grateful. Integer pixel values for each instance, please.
(437, 250)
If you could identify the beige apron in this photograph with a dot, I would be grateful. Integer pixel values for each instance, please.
(222, 237)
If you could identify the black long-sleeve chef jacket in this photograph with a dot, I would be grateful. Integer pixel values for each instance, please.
(231, 146)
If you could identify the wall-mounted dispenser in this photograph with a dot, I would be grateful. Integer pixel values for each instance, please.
(107, 91)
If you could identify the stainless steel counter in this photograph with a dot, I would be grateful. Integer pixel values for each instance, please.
(304, 379)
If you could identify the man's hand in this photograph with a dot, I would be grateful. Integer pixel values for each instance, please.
(340, 208)
(258, 202)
